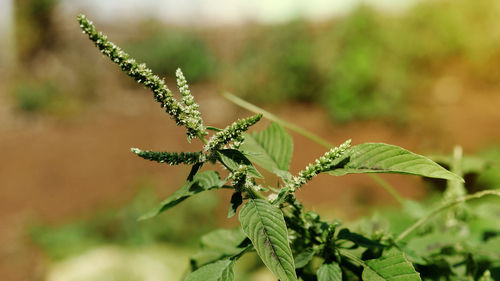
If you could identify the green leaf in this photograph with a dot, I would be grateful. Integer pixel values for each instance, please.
(271, 149)
(227, 241)
(304, 258)
(195, 184)
(393, 265)
(236, 200)
(232, 159)
(217, 271)
(358, 239)
(329, 272)
(489, 248)
(423, 246)
(265, 226)
(219, 244)
(385, 158)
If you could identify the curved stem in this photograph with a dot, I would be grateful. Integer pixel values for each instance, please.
(384, 184)
(251, 107)
(448, 205)
(352, 257)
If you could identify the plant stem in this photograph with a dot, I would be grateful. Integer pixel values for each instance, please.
(454, 188)
(202, 138)
(255, 193)
(477, 195)
(301, 131)
(384, 184)
(251, 107)
(352, 257)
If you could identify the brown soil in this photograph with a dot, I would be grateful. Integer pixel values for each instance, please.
(56, 171)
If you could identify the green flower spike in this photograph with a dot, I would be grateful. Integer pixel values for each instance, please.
(321, 164)
(193, 116)
(171, 158)
(145, 76)
(231, 132)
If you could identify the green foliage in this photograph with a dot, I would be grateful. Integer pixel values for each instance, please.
(278, 63)
(329, 272)
(262, 145)
(166, 50)
(368, 64)
(220, 244)
(264, 224)
(384, 158)
(294, 243)
(32, 97)
(34, 28)
(44, 96)
(365, 78)
(221, 270)
(391, 266)
(195, 184)
(234, 159)
(120, 226)
(490, 174)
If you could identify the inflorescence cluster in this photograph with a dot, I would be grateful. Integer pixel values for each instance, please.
(172, 158)
(184, 115)
(231, 132)
(322, 164)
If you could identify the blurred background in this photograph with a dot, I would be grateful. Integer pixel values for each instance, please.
(424, 75)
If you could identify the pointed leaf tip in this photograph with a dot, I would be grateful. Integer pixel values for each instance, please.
(385, 158)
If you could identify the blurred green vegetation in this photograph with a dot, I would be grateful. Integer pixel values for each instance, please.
(44, 96)
(36, 96)
(366, 77)
(366, 64)
(369, 64)
(435, 250)
(490, 176)
(166, 50)
(277, 64)
(34, 28)
(183, 225)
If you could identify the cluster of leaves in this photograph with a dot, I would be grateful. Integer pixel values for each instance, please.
(292, 242)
